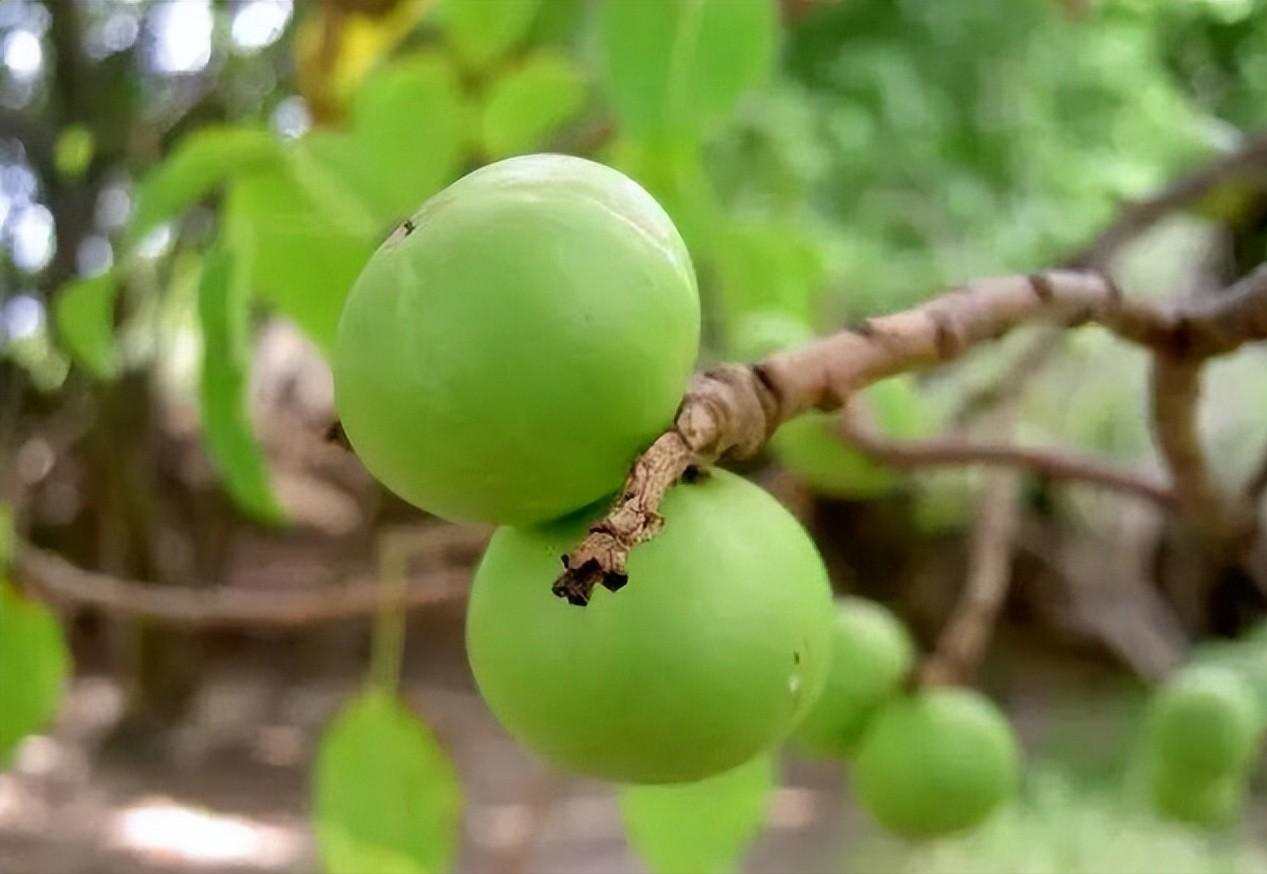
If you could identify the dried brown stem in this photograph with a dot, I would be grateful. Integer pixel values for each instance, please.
(952, 450)
(733, 409)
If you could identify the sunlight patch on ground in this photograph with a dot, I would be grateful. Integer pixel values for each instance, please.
(164, 830)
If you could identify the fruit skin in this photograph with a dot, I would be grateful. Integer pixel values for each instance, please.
(871, 655)
(936, 763)
(505, 355)
(1205, 803)
(1203, 724)
(711, 653)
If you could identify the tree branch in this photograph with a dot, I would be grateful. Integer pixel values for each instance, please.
(1249, 160)
(953, 450)
(58, 580)
(733, 409)
(966, 634)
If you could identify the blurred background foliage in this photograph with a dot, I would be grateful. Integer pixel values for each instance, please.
(187, 190)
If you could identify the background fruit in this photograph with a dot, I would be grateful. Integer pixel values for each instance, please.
(1204, 724)
(1206, 803)
(871, 654)
(507, 358)
(936, 763)
(715, 648)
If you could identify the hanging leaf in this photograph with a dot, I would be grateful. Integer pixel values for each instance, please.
(84, 313)
(386, 797)
(483, 30)
(672, 67)
(203, 160)
(224, 310)
(34, 667)
(408, 127)
(524, 108)
(703, 827)
(305, 254)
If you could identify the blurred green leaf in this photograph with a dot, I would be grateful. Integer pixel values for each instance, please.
(73, 151)
(304, 259)
(84, 313)
(483, 30)
(203, 160)
(672, 67)
(224, 310)
(386, 797)
(770, 266)
(523, 108)
(6, 535)
(408, 128)
(704, 827)
(34, 667)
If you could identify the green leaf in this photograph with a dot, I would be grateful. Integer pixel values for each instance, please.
(224, 310)
(480, 31)
(83, 311)
(73, 151)
(304, 258)
(408, 128)
(203, 160)
(672, 67)
(704, 827)
(385, 796)
(526, 106)
(34, 666)
(770, 266)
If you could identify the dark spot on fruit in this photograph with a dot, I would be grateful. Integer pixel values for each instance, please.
(409, 226)
(796, 657)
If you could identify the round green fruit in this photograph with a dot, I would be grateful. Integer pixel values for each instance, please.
(1204, 724)
(1205, 803)
(711, 653)
(938, 762)
(871, 655)
(505, 355)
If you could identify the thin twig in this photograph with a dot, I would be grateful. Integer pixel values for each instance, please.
(48, 574)
(952, 450)
(966, 635)
(1247, 161)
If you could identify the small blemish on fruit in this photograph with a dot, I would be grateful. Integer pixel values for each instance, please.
(796, 657)
(409, 226)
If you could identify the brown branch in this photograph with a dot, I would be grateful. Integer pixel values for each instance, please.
(733, 409)
(966, 635)
(1247, 161)
(48, 574)
(951, 450)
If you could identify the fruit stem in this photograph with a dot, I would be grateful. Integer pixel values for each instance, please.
(387, 645)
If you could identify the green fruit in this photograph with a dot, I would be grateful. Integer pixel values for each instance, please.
(1247, 657)
(935, 763)
(717, 646)
(871, 655)
(1206, 803)
(506, 354)
(810, 445)
(1203, 724)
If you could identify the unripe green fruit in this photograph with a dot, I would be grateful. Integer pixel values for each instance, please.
(1203, 724)
(810, 445)
(709, 655)
(1206, 803)
(506, 354)
(871, 655)
(936, 763)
